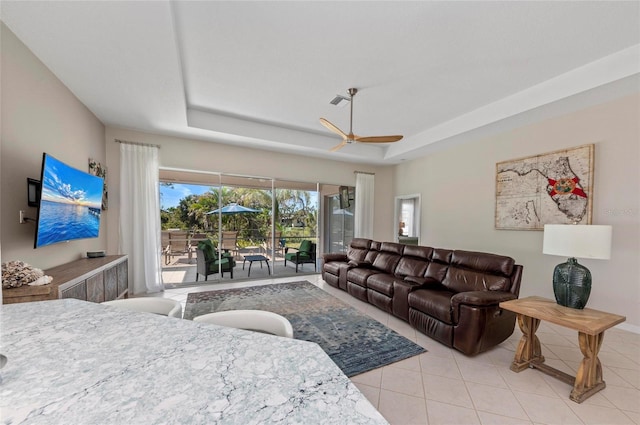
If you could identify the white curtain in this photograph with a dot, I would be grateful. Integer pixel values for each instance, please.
(363, 225)
(140, 216)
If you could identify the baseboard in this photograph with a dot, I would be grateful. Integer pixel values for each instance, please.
(627, 327)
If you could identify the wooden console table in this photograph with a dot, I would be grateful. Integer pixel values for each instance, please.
(89, 279)
(590, 325)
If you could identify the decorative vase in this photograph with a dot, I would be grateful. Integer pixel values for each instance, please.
(571, 284)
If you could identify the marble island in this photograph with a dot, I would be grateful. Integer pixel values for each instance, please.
(75, 362)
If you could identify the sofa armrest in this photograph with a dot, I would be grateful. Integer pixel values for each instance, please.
(481, 298)
(334, 256)
(478, 299)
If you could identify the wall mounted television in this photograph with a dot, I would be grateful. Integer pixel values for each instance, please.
(70, 203)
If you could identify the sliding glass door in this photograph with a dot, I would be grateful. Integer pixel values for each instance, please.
(338, 219)
(241, 215)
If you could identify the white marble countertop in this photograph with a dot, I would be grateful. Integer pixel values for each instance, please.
(75, 362)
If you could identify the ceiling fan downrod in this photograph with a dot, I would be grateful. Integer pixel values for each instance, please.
(352, 92)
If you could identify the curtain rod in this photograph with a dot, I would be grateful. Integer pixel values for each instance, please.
(364, 172)
(136, 143)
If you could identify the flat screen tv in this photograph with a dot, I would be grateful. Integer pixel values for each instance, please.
(70, 203)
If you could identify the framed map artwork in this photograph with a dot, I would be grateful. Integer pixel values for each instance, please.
(552, 188)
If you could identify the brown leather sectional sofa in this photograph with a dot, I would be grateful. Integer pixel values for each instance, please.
(452, 296)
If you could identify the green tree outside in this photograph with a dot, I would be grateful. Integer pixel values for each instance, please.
(296, 215)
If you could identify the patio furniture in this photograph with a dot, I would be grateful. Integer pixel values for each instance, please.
(230, 242)
(251, 320)
(178, 245)
(165, 247)
(306, 253)
(209, 262)
(278, 247)
(197, 237)
(252, 258)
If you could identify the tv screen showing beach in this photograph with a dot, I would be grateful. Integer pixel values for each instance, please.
(70, 204)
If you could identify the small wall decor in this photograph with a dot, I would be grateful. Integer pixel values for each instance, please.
(551, 188)
(96, 169)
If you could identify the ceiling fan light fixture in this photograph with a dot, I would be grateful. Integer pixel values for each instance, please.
(339, 100)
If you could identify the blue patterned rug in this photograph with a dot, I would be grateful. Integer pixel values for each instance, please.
(354, 341)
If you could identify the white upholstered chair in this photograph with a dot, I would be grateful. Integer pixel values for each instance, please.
(253, 320)
(163, 306)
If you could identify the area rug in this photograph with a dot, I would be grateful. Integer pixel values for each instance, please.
(354, 341)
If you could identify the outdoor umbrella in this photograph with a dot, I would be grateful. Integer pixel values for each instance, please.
(233, 209)
(342, 211)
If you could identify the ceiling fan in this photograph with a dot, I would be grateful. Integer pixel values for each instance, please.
(351, 138)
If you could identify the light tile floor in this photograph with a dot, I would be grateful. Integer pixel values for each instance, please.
(444, 386)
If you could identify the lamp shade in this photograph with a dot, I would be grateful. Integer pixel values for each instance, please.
(577, 240)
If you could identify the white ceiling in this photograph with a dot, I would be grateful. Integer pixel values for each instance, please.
(260, 74)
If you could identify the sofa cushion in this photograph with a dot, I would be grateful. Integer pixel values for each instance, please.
(360, 243)
(382, 283)
(411, 266)
(359, 276)
(462, 280)
(371, 256)
(442, 255)
(483, 262)
(437, 271)
(433, 302)
(388, 257)
(422, 281)
(478, 271)
(358, 249)
(392, 247)
(354, 263)
(420, 252)
(386, 262)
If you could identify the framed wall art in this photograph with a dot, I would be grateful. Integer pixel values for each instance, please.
(551, 188)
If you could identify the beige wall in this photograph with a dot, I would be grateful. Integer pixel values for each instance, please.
(39, 114)
(458, 199)
(213, 157)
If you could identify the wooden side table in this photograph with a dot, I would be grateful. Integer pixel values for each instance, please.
(590, 325)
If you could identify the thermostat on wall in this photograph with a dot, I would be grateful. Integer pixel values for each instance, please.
(95, 254)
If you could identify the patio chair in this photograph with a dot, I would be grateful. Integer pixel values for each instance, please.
(279, 246)
(165, 247)
(306, 253)
(178, 245)
(208, 262)
(230, 242)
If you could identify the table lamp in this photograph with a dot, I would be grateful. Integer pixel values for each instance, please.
(572, 281)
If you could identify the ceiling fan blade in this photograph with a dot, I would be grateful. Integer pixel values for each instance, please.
(332, 127)
(339, 146)
(378, 139)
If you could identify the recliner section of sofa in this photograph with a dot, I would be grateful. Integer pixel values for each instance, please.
(450, 295)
